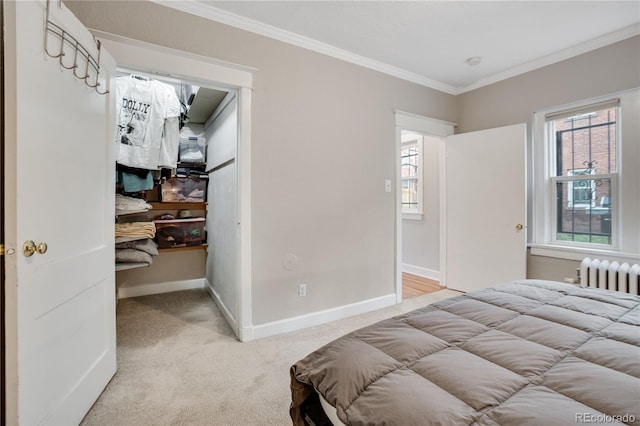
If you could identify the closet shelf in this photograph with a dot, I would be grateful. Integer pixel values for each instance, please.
(125, 266)
(185, 248)
(127, 239)
(178, 205)
(126, 212)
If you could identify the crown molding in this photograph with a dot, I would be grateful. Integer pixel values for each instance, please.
(237, 21)
(571, 52)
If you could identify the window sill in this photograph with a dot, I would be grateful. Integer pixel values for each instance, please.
(579, 253)
(411, 216)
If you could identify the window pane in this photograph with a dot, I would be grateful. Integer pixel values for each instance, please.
(586, 142)
(409, 161)
(410, 194)
(584, 211)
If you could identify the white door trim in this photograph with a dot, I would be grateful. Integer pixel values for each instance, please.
(144, 57)
(432, 127)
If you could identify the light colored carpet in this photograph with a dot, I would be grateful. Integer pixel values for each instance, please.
(179, 363)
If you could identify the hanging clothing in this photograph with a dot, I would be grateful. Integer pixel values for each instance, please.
(168, 154)
(142, 106)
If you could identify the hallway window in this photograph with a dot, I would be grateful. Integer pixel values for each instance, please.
(411, 168)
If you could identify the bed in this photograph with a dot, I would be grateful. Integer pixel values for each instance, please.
(528, 352)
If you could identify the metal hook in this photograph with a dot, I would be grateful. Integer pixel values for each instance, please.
(95, 86)
(75, 60)
(47, 30)
(99, 92)
(97, 68)
(56, 30)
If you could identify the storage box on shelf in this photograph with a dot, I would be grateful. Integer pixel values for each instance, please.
(180, 232)
(184, 189)
(192, 150)
(198, 209)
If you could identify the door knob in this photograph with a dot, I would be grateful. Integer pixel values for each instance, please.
(42, 248)
(519, 226)
(29, 248)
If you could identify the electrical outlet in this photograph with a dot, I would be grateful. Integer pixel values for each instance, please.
(302, 290)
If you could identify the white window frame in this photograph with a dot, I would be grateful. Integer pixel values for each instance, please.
(417, 141)
(613, 208)
(580, 175)
(625, 195)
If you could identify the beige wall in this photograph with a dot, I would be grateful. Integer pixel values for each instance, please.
(322, 146)
(603, 71)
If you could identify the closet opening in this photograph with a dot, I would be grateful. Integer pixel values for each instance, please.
(192, 205)
(227, 267)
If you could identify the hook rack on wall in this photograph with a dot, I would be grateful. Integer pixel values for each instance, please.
(85, 66)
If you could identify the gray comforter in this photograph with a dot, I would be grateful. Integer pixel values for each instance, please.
(522, 353)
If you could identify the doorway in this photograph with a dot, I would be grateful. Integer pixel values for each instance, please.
(423, 216)
(476, 250)
(206, 72)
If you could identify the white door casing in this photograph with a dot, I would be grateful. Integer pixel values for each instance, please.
(485, 208)
(60, 155)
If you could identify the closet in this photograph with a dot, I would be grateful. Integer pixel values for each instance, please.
(192, 205)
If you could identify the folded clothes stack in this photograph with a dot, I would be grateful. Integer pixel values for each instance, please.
(136, 229)
(138, 251)
(126, 204)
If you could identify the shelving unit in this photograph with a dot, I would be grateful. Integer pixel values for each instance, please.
(158, 206)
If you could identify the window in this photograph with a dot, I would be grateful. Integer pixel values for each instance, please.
(586, 170)
(582, 200)
(411, 175)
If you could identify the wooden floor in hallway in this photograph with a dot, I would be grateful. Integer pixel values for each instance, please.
(414, 285)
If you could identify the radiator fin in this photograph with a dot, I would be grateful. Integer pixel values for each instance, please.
(610, 275)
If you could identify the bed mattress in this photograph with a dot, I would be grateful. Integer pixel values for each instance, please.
(529, 352)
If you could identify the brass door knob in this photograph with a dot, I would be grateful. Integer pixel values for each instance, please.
(42, 248)
(29, 248)
(519, 226)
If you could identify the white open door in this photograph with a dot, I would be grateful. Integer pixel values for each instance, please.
(485, 208)
(59, 191)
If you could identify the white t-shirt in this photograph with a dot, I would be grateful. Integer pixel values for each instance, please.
(141, 109)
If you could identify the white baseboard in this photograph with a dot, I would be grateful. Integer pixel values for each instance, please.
(158, 288)
(231, 320)
(322, 317)
(421, 272)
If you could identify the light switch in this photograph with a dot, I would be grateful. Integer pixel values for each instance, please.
(387, 185)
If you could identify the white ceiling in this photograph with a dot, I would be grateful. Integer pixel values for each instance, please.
(428, 42)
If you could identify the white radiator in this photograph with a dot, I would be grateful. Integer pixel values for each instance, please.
(610, 275)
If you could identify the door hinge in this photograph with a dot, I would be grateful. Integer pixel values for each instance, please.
(1, 249)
